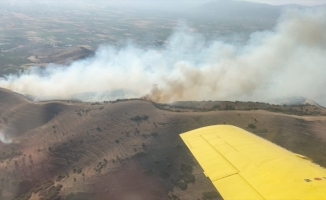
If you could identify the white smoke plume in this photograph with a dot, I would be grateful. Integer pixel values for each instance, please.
(5, 137)
(288, 61)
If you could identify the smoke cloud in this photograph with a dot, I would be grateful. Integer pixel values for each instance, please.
(4, 137)
(287, 61)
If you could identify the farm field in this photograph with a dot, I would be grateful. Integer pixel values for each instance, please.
(36, 35)
(126, 148)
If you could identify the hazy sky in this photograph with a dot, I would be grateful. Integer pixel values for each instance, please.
(302, 2)
(176, 3)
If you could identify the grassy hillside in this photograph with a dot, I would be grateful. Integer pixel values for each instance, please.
(124, 149)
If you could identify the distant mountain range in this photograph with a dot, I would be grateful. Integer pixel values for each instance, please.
(231, 9)
(224, 9)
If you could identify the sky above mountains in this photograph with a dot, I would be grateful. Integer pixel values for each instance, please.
(272, 2)
(167, 5)
(301, 2)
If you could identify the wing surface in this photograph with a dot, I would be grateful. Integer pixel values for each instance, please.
(242, 165)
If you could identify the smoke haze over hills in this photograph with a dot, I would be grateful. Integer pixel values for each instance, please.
(287, 61)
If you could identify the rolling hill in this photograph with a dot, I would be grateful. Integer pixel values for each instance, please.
(128, 149)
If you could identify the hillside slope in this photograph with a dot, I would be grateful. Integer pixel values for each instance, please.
(123, 150)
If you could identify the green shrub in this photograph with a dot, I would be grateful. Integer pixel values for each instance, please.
(139, 118)
(79, 171)
(164, 174)
(252, 126)
(140, 154)
(79, 196)
(210, 195)
(154, 134)
(180, 184)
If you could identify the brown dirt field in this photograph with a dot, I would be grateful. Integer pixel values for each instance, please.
(60, 56)
(127, 149)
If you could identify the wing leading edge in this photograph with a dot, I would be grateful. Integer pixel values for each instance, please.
(242, 165)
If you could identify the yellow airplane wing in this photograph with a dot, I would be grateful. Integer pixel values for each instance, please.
(242, 165)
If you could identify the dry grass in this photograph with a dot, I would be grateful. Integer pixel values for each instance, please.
(75, 145)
